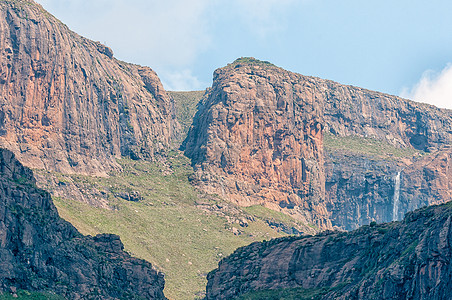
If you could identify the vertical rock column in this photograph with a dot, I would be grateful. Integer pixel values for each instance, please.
(257, 139)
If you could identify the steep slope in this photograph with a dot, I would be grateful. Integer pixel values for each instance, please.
(258, 138)
(185, 107)
(351, 111)
(399, 260)
(41, 252)
(163, 219)
(427, 181)
(66, 104)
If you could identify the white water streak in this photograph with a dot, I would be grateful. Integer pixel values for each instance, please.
(396, 199)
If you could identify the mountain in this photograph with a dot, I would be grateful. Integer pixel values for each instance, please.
(67, 105)
(270, 152)
(39, 251)
(257, 139)
(324, 153)
(410, 259)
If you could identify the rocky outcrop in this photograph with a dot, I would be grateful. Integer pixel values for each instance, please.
(351, 111)
(359, 189)
(67, 105)
(257, 139)
(399, 260)
(427, 181)
(41, 252)
(363, 188)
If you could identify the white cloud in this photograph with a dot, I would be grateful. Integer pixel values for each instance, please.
(169, 36)
(433, 88)
(264, 16)
(181, 81)
(154, 32)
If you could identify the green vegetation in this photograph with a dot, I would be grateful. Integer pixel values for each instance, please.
(367, 146)
(250, 61)
(186, 103)
(181, 231)
(274, 217)
(25, 295)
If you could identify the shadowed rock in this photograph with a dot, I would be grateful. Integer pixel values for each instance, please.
(39, 251)
(410, 259)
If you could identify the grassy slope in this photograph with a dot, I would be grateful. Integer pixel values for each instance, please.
(168, 227)
(368, 146)
(186, 103)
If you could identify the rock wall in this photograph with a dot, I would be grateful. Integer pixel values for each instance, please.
(427, 181)
(39, 251)
(351, 110)
(257, 139)
(67, 105)
(359, 189)
(398, 260)
(362, 188)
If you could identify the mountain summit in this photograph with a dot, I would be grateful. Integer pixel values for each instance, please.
(325, 153)
(67, 105)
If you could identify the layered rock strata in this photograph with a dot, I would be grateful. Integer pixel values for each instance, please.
(399, 260)
(39, 251)
(359, 189)
(67, 105)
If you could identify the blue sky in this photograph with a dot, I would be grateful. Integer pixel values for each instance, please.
(399, 47)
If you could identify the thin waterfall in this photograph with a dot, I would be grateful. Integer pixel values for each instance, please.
(396, 199)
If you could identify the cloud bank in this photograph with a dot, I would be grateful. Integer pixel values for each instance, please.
(433, 88)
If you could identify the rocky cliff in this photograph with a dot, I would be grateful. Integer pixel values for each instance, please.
(352, 111)
(258, 138)
(67, 105)
(359, 189)
(427, 181)
(399, 260)
(41, 252)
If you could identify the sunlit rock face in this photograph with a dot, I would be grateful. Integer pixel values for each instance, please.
(258, 138)
(67, 105)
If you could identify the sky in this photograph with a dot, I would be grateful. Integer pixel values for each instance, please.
(401, 47)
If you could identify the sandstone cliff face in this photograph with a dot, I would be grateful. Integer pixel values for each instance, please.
(359, 189)
(66, 104)
(39, 251)
(257, 139)
(427, 181)
(362, 188)
(399, 260)
(355, 111)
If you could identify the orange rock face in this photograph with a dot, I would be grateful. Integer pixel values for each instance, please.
(66, 104)
(427, 181)
(257, 139)
(403, 123)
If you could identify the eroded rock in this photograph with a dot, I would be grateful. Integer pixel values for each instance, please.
(39, 251)
(399, 260)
